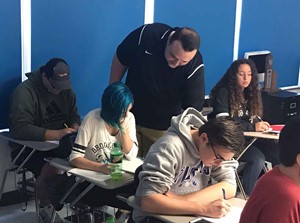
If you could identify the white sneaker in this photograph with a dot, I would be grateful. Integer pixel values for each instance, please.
(46, 213)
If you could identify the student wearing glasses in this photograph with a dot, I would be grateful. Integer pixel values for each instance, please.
(177, 171)
(237, 95)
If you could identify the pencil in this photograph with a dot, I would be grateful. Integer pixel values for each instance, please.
(259, 118)
(224, 195)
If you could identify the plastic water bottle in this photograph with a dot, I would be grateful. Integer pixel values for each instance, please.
(116, 159)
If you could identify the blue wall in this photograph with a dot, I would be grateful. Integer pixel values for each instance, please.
(86, 34)
(214, 24)
(275, 26)
(10, 54)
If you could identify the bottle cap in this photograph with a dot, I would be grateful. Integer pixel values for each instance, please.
(117, 144)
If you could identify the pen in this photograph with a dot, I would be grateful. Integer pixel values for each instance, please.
(259, 118)
(66, 125)
(224, 195)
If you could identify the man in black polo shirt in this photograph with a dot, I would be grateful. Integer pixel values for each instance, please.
(165, 75)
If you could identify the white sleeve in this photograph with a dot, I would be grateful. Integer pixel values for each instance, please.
(75, 154)
(133, 152)
(132, 134)
(80, 143)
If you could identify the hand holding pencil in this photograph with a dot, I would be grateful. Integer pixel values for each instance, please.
(261, 126)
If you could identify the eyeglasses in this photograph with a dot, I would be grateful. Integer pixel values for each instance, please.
(218, 157)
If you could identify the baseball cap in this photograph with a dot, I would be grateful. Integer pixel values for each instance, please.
(58, 71)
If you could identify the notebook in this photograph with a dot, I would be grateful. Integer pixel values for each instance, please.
(275, 129)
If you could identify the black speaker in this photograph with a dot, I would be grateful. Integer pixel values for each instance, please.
(268, 72)
(280, 106)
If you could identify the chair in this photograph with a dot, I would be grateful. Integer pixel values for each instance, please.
(241, 165)
(267, 167)
(19, 169)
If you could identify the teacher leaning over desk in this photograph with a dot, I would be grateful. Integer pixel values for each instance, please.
(165, 73)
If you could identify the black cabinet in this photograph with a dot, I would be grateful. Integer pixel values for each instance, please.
(280, 106)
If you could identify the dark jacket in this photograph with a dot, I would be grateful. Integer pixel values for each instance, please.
(160, 92)
(33, 110)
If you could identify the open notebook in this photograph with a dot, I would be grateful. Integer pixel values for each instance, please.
(131, 165)
(232, 217)
(275, 129)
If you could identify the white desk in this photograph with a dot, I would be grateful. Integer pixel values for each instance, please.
(93, 177)
(264, 135)
(255, 136)
(232, 217)
(97, 178)
(32, 145)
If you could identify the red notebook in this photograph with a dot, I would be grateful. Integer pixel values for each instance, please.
(275, 128)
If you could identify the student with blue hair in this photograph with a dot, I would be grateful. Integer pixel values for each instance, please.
(99, 130)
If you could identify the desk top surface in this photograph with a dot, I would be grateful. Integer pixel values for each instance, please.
(264, 135)
(99, 179)
(233, 216)
(38, 145)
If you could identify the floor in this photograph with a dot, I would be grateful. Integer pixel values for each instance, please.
(15, 214)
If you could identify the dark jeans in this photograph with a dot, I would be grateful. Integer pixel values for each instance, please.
(255, 158)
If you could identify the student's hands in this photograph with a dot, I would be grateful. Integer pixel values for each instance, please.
(124, 124)
(104, 168)
(57, 134)
(261, 126)
(217, 209)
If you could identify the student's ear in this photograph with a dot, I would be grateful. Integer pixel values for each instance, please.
(298, 159)
(203, 138)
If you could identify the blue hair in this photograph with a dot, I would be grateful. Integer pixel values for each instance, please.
(115, 101)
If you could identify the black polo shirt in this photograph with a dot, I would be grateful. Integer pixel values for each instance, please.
(160, 92)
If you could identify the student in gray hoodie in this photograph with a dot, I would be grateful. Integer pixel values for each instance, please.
(177, 171)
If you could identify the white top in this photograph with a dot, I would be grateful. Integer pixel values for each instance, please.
(95, 143)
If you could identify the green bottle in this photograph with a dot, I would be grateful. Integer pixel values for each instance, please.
(116, 158)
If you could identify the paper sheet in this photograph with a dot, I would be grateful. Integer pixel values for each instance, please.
(232, 217)
(131, 165)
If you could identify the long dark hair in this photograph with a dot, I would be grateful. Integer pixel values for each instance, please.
(251, 94)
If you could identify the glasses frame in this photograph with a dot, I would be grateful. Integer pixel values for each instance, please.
(218, 157)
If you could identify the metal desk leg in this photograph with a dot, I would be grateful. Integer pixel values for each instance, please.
(63, 199)
(53, 215)
(12, 166)
(37, 206)
(239, 183)
(69, 191)
(25, 161)
(247, 147)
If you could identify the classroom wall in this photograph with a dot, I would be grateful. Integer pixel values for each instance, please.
(10, 54)
(275, 26)
(214, 24)
(86, 34)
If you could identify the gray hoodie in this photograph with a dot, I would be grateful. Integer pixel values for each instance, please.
(173, 163)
